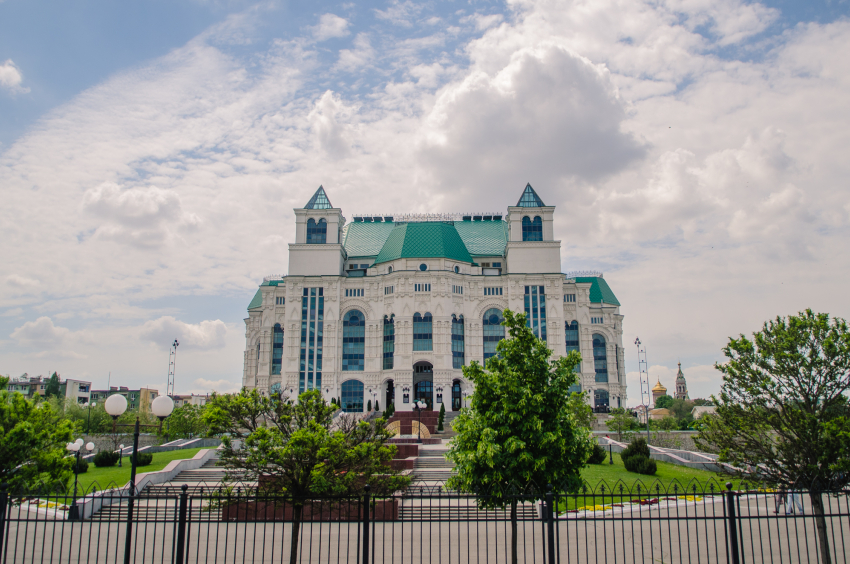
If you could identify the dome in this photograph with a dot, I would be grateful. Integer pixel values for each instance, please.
(659, 388)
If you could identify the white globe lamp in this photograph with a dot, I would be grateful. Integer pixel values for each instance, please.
(115, 405)
(162, 406)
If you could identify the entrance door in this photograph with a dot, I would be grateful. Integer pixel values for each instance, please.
(457, 398)
(390, 394)
(424, 391)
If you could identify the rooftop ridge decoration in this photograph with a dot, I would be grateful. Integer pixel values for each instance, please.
(572, 275)
(426, 217)
(271, 277)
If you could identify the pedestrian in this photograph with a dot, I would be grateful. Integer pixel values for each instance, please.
(795, 503)
(780, 498)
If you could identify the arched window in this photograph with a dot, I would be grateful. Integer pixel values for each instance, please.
(390, 270)
(317, 233)
(389, 342)
(353, 340)
(493, 332)
(457, 342)
(600, 358)
(457, 270)
(456, 396)
(277, 348)
(571, 340)
(532, 230)
(423, 339)
(352, 396)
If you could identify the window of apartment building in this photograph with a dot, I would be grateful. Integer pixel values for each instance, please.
(422, 287)
(422, 332)
(279, 300)
(495, 291)
(312, 340)
(532, 229)
(457, 342)
(277, 348)
(353, 340)
(389, 341)
(354, 293)
(389, 290)
(316, 232)
(457, 289)
(597, 320)
(570, 298)
(572, 343)
(600, 358)
(535, 310)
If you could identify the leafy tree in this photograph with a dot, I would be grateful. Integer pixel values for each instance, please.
(185, 422)
(621, 420)
(668, 424)
(518, 432)
(53, 388)
(681, 409)
(32, 442)
(782, 415)
(701, 401)
(89, 419)
(299, 449)
(663, 402)
(580, 410)
(4, 382)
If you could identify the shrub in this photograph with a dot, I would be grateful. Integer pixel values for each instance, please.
(598, 455)
(640, 464)
(143, 458)
(105, 458)
(637, 447)
(82, 466)
(441, 417)
(369, 405)
(377, 406)
(388, 412)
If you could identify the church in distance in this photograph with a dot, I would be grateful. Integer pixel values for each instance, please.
(389, 309)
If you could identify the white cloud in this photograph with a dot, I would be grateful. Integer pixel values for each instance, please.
(19, 281)
(40, 333)
(399, 13)
(352, 59)
(11, 78)
(326, 119)
(330, 26)
(204, 335)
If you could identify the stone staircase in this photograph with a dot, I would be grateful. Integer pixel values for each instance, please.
(432, 466)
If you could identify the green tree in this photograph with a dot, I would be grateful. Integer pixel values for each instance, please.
(579, 408)
(441, 417)
(90, 419)
(681, 409)
(32, 442)
(782, 415)
(53, 388)
(621, 420)
(185, 422)
(668, 424)
(663, 402)
(299, 449)
(701, 401)
(518, 432)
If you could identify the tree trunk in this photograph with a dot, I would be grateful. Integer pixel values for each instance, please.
(297, 513)
(820, 524)
(513, 531)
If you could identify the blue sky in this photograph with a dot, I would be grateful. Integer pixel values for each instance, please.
(151, 154)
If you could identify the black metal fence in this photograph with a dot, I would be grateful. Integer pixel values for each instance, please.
(427, 523)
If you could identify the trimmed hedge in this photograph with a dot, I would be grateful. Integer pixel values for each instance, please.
(143, 458)
(105, 458)
(598, 455)
(636, 458)
(82, 466)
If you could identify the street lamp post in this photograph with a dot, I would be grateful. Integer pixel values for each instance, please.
(88, 421)
(420, 405)
(120, 454)
(115, 406)
(74, 448)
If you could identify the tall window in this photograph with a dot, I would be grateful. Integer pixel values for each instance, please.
(353, 340)
(317, 233)
(600, 358)
(493, 331)
(571, 340)
(352, 396)
(312, 325)
(423, 339)
(277, 348)
(600, 398)
(532, 230)
(457, 342)
(389, 342)
(535, 310)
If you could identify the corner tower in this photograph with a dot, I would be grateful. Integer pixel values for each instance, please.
(531, 247)
(317, 250)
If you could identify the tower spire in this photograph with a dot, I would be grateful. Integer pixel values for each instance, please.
(319, 201)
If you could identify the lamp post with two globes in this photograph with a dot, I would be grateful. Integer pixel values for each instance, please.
(419, 406)
(75, 448)
(115, 406)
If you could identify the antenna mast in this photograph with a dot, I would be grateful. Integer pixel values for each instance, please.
(645, 393)
(172, 364)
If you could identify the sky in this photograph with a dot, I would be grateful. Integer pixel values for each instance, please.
(151, 154)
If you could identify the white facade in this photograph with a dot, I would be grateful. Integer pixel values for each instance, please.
(392, 285)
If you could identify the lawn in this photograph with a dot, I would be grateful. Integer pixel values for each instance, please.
(103, 478)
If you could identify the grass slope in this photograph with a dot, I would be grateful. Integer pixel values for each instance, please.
(104, 478)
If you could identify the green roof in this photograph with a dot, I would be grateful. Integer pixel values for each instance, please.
(600, 292)
(257, 301)
(484, 238)
(424, 240)
(480, 238)
(365, 239)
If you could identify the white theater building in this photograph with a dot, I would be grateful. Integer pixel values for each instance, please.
(390, 308)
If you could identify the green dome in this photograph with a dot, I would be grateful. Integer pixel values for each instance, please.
(424, 240)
